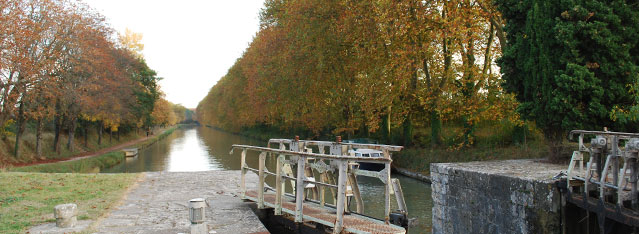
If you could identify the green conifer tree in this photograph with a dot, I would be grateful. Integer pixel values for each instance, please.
(571, 62)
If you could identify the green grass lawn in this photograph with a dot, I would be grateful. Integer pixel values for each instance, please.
(27, 199)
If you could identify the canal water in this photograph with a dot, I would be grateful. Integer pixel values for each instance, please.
(204, 149)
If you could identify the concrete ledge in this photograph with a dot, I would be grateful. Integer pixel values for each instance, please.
(514, 196)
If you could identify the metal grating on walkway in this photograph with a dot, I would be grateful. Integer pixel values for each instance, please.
(353, 223)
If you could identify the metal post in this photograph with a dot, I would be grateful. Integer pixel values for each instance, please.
(387, 192)
(279, 185)
(299, 191)
(260, 186)
(588, 175)
(352, 180)
(341, 195)
(323, 179)
(621, 185)
(633, 183)
(615, 164)
(243, 177)
(602, 180)
(576, 157)
(399, 195)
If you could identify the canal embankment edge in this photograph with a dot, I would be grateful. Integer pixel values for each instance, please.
(414, 175)
(97, 161)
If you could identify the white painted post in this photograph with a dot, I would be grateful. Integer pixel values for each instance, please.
(589, 168)
(341, 197)
(279, 185)
(299, 191)
(621, 185)
(399, 195)
(323, 179)
(243, 177)
(602, 180)
(352, 180)
(260, 186)
(387, 191)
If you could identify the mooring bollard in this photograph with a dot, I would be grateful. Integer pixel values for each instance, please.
(65, 215)
(197, 216)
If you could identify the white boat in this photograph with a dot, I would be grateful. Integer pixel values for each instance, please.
(369, 153)
(130, 152)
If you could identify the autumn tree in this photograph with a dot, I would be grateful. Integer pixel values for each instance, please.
(59, 63)
(365, 67)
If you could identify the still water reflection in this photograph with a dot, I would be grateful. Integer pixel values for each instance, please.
(202, 149)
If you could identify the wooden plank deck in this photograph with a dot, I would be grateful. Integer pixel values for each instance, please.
(353, 223)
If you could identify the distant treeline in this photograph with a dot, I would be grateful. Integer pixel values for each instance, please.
(414, 71)
(62, 68)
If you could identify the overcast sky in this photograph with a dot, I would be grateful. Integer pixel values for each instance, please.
(190, 43)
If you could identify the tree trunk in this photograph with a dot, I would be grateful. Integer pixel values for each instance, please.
(86, 136)
(39, 137)
(487, 56)
(100, 128)
(118, 135)
(435, 128)
(386, 126)
(408, 130)
(72, 126)
(20, 125)
(110, 136)
(58, 128)
(435, 120)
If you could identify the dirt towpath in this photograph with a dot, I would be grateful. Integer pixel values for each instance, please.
(89, 154)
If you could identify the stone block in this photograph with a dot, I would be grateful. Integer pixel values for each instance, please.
(65, 215)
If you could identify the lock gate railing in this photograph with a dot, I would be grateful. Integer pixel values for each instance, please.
(339, 163)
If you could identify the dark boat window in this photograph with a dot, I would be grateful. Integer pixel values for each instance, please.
(366, 155)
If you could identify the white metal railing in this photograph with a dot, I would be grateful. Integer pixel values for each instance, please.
(338, 162)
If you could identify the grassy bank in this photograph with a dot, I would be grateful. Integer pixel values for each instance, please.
(92, 164)
(27, 199)
(27, 146)
(86, 165)
(419, 160)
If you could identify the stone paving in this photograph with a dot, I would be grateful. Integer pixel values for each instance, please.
(160, 204)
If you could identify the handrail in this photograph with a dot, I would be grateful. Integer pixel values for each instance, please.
(368, 146)
(584, 132)
(312, 155)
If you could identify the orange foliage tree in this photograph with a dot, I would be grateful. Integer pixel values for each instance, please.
(362, 67)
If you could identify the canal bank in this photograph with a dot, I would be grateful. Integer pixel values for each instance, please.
(97, 161)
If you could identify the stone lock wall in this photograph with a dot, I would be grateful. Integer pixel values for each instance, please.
(495, 197)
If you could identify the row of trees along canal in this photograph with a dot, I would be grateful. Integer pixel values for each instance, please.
(62, 69)
(390, 69)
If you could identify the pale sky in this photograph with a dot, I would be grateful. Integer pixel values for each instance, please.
(189, 43)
